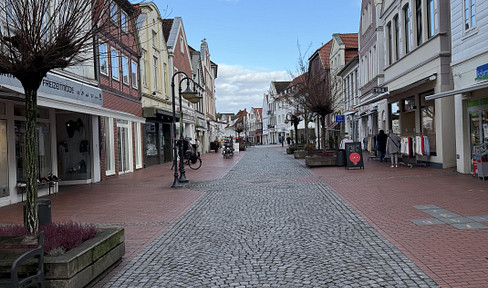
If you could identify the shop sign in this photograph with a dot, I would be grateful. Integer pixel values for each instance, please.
(482, 72)
(54, 85)
(378, 90)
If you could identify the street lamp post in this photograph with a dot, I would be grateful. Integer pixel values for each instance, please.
(191, 96)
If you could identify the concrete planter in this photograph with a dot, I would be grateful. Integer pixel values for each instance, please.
(83, 264)
(329, 158)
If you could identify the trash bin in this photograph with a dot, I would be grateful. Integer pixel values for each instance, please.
(44, 211)
(341, 157)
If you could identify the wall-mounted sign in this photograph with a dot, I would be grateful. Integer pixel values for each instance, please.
(482, 72)
(380, 89)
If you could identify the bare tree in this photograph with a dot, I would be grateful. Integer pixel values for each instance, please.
(37, 36)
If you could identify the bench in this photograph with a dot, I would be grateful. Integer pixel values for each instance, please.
(22, 261)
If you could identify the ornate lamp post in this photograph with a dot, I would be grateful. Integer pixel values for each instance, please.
(191, 96)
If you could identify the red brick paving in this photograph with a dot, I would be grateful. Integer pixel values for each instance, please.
(385, 197)
(145, 205)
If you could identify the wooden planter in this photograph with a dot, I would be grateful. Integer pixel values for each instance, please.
(300, 154)
(329, 158)
(83, 264)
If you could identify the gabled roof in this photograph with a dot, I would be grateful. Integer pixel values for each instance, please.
(350, 40)
(167, 25)
(324, 53)
(280, 86)
(297, 80)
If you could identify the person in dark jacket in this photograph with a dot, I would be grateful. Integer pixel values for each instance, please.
(381, 144)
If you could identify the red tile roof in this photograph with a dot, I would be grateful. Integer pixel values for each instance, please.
(324, 53)
(350, 40)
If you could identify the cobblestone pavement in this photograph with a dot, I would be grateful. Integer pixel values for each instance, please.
(262, 226)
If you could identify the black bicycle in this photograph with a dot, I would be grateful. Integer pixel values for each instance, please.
(192, 159)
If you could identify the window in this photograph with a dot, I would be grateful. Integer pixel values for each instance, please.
(469, 14)
(182, 45)
(418, 14)
(154, 38)
(102, 50)
(109, 146)
(390, 43)
(430, 18)
(113, 12)
(155, 72)
(115, 64)
(123, 21)
(406, 15)
(395, 118)
(133, 73)
(397, 37)
(165, 78)
(143, 68)
(125, 70)
(428, 121)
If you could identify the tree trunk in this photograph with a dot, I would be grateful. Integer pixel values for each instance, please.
(322, 119)
(31, 220)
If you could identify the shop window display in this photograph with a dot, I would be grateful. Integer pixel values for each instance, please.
(73, 146)
(43, 149)
(3, 159)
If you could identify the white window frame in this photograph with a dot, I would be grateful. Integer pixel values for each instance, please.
(133, 71)
(155, 72)
(103, 58)
(138, 144)
(144, 68)
(471, 16)
(109, 146)
(114, 59)
(125, 69)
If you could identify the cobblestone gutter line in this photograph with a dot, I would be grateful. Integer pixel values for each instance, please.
(260, 226)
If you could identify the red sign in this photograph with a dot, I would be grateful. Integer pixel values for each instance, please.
(355, 157)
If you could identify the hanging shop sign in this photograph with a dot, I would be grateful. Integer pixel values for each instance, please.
(55, 85)
(339, 118)
(378, 90)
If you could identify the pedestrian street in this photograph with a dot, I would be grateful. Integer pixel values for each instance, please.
(269, 223)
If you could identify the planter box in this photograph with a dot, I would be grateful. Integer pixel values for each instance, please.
(300, 154)
(83, 264)
(321, 160)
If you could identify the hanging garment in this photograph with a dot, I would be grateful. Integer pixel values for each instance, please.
(419, 145)
(426, 146)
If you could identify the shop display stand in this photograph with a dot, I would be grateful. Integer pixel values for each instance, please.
(480, 160)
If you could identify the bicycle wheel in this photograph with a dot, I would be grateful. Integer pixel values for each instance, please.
(195, 163)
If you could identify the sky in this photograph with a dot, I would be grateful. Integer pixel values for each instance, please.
(254, 42)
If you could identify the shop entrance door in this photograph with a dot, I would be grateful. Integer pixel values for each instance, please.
(123, 146)
(3, 159)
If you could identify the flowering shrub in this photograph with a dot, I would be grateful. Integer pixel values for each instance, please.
(59, 237)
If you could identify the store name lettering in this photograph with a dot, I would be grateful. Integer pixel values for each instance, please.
(58, 86)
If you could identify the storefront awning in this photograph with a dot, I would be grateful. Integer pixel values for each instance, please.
(373, 99)
(477, 86)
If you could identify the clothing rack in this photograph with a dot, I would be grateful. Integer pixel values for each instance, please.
(371, 147)
(414, 151)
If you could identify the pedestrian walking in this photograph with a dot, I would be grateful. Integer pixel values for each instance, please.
(393, 148)
(381, 145)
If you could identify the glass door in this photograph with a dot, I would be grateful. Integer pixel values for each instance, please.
(123, 146)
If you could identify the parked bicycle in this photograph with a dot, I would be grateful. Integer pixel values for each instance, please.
(191, 158)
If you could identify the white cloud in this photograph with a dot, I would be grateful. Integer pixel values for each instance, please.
(238, 88)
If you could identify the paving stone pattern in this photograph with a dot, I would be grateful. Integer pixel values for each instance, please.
(261, 225)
